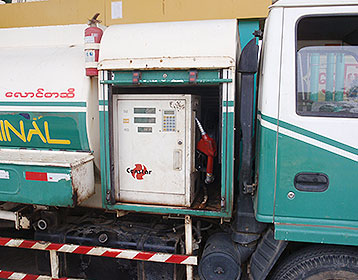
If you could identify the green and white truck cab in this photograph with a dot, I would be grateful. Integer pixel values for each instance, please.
(307, 114)
(174, 156)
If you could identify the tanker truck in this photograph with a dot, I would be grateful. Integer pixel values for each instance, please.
(168, 150)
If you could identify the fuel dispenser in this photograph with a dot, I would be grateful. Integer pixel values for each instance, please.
(155, 148)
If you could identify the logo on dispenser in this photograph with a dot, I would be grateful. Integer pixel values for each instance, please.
(139, 171)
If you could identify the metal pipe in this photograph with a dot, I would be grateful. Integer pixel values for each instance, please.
(202, 131)
(55, 264)
(189, 244)
(246, 229)
(7, 215)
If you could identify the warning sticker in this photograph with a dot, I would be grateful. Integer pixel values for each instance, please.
(90, 56)
(4, 174)
(89, 39)
(116, 7)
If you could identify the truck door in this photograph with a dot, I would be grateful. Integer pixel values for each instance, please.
(317, 178)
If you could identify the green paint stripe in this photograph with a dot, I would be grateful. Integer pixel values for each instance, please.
(317, 222)
(103, 102)
(246, 28)
(164, 82)
(227, 150)
(316, 234)
(318, 137)
(230, 167)
(311, 134)
(168, 210)
(268, 119)
(57, 104)
(228, 103)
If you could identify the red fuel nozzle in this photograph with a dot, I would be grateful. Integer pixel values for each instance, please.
(207, 146)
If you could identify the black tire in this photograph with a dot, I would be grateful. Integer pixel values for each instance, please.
(319, 263)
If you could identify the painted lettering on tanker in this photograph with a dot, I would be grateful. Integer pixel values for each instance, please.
(8, 131)
(41, 93)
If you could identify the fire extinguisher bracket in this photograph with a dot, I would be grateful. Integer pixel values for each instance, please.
(91, 64)
(93, 46)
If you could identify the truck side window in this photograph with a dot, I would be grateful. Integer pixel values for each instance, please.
(327, 66)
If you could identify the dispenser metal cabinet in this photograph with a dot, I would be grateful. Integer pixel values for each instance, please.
(154, 143)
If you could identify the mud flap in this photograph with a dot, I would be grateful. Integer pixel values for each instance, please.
(265, 256)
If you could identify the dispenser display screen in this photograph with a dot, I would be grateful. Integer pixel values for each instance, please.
(144, 120)
(144, 110)
(145, 129)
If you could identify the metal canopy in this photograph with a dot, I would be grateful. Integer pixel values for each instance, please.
(170, 45)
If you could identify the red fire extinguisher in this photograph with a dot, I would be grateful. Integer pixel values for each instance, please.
(93, 35)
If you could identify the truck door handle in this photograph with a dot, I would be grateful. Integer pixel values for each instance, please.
(311, 182)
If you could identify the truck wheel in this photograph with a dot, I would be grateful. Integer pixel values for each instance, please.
(319, 263)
